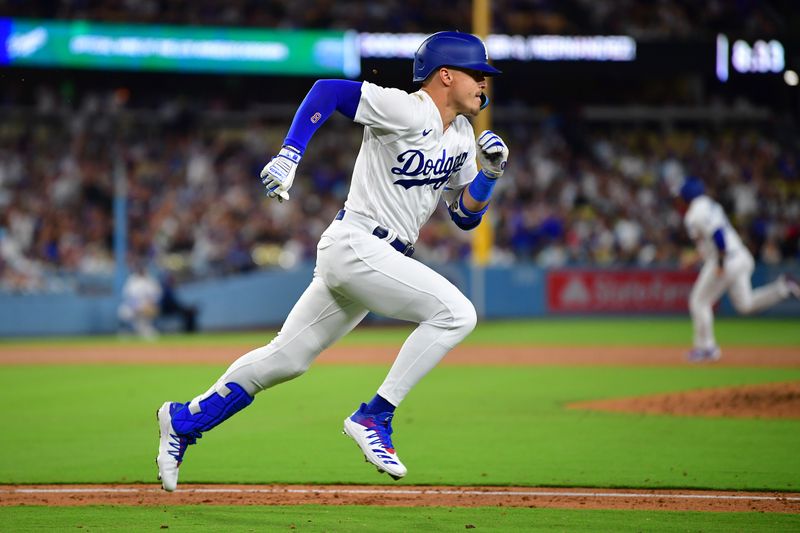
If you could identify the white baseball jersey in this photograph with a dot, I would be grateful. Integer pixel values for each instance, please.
(406, 161)
(140, 292)
(704, 217)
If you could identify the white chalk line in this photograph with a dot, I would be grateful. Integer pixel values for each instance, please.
(410, 492)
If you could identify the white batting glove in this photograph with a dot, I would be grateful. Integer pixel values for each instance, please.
(492, 154)
(278, 175)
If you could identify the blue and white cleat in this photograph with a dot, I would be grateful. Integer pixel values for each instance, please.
(373, 434)
(704, 355)
(171, 446)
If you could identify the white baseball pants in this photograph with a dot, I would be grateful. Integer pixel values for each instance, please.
(357, 272)
(710, 286)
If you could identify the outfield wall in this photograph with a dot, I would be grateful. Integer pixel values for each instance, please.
(263, 299)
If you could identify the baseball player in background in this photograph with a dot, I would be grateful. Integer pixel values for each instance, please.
(139, 307)
(417, 149)
(727, 267)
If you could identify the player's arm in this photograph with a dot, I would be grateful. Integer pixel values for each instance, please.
(324, 98)
(719, 241)
(468, 209)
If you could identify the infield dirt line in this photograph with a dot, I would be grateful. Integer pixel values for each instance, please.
(412, 496)
(565, 494)
(468, 355)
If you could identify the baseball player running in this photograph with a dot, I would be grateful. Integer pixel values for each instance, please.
(728, 266)
(416, 149)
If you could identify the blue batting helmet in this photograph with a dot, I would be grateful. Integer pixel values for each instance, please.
(451, 49)
(691, 189)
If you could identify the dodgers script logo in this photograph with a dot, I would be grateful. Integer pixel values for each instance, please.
(414, 163)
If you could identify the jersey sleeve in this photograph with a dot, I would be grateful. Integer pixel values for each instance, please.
(390, 113)
(698, 220)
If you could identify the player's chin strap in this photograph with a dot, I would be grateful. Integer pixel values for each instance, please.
(484, 101)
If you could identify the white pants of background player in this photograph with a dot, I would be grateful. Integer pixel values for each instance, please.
(710, 286)
(357, 272)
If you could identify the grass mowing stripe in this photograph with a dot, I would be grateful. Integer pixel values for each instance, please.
(355, 518)
(670, 331)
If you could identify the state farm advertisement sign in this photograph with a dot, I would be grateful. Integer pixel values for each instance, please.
(585, 291)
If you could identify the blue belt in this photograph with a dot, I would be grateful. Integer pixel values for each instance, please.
(382, 233)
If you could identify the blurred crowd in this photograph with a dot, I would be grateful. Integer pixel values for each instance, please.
(647, 19)
(574, 192)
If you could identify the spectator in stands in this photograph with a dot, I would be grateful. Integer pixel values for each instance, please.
(640, 18)
(192, 201)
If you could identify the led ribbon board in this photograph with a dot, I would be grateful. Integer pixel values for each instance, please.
(94, 45)
(513, 47)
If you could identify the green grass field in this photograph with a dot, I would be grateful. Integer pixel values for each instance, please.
(460, 426)
(628, 331)
(348, 518)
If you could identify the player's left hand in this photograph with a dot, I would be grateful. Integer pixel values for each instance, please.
(278, 175)
(492, 154)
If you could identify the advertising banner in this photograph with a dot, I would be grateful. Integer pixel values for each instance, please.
(593, 291)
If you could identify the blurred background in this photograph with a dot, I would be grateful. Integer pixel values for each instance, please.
(133, 133)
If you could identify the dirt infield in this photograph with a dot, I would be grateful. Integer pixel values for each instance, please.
(772, 356)
(773, 400)
(405, 496)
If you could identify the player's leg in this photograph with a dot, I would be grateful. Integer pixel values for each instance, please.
(393, 285)
(747, 300)
(409, 291)
(143, 325)
(707, 290)
(318, 319)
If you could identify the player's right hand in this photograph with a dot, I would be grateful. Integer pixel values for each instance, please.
(492, 154)
(278, 175)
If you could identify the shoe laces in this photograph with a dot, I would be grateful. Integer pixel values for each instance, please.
(382, 431)
(179, 443)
